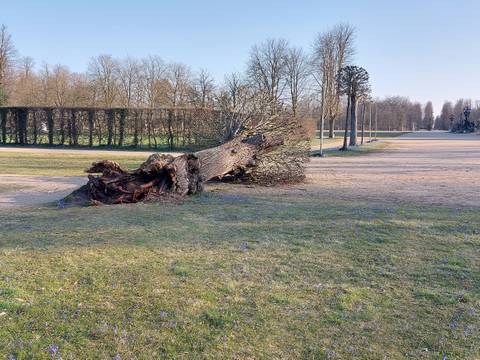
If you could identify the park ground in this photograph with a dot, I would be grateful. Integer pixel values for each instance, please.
(375, 256)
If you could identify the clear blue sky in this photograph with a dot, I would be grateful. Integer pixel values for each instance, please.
(423, 49)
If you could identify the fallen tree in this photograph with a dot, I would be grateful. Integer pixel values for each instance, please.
(271, 152)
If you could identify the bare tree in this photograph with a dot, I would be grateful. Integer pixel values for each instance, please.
(25, 89)
(323, 64)
(446, 114)
(266, 70)
(179, 81)
(203, 89)
(332, 50)
(296, 75)
(60, 78)
(233, 99)
(128, 73)
(179, 87)
(153, 78)
(8, 54)
(102, 73)
(428, 118)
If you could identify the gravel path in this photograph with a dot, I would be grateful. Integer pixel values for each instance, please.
(423, 167)
(37, 189)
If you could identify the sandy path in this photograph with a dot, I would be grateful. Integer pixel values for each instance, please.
(38, 189)
(418, 168)
(424, 167)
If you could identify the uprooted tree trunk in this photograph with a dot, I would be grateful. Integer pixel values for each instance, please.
(271, 152)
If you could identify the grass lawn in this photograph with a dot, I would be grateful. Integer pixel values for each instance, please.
(234, 276)
(60, 163)
(367, 148)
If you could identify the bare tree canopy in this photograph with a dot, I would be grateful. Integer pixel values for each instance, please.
(297, 73)
(266, 70)
(428, 118)
(332, 50)
(8, 55)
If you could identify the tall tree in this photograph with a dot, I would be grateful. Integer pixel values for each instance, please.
(446, 114)
(353, 82)
(332, 50)
(8, 54)
(203, 89)
(128, 75)
(296, 74)
(102, 72)
(428, 119)
(266, 70)
(153, 79)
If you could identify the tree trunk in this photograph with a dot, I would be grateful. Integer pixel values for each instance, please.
(110, 123)
(363, 123)
(22, 116)
(353, 121)
(170, 120)
(135, 129)
(322, 120)
(91, 119)
(74, 128)
(69, 127)
(62, 127)
(331, 128)
(35, 128)
(370, 122)
(50, 126)
(121, 130)
(269, 153)
(3, 124)
(345, 134)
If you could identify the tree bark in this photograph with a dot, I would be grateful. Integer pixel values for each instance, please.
(353, 121)
(110, 123)
(363, 123)
(270, 153)
(345, 134)
(22, 116)
(331, 128)
(91, 119)
(62, 127)
(50, 126)
(121, 130)
(3, 124)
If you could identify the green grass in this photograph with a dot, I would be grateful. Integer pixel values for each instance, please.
(59, 163)
(241, 277)
(367, 148)
(380, 133)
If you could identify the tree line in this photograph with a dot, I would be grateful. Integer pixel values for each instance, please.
(453, 114)
(279, 78)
